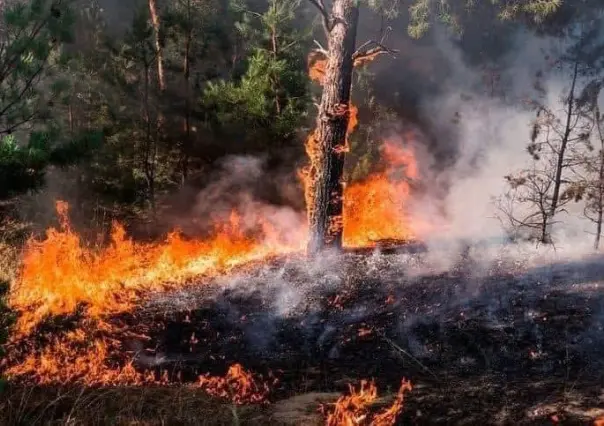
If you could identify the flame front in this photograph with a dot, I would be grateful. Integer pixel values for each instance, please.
(60, 273)
(353, 409)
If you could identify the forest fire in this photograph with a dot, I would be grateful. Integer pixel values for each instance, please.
(61, 275)
(60, 272)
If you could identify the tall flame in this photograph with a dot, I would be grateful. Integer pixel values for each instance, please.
(376, 208)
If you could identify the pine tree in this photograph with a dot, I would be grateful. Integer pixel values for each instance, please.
(31, 58)
(266, 106)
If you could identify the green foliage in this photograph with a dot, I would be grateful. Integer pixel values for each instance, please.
(258, 101)
(450, 13)
(30, 59)
(268, 103)
(35, 31)
(22, 167)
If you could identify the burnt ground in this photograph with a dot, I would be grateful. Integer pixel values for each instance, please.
(498, 342)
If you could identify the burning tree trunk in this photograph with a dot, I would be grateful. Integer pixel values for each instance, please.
(327, 160)
(327, 146)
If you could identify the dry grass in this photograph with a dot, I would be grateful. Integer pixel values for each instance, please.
(13, 235)
(9, 262)
(149, 406)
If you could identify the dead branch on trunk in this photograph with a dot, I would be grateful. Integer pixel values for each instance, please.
(365, 54)
(327, 21)
(369, 50)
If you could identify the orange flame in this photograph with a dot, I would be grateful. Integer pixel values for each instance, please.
(238, 386)
(75, 358)
(353, 409)
(60, 273)
(376, 208)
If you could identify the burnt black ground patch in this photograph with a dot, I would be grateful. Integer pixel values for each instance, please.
(507, 344)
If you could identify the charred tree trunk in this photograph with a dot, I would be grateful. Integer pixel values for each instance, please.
(600, 187)
(327, 169)
(150, 143)
(600, 208)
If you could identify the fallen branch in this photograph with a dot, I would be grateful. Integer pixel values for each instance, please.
(404, 352)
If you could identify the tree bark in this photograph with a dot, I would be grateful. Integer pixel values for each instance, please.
(600, 207)
(327, 162)
(160, 57)
(600, 211)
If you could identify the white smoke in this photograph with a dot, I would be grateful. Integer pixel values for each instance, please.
(492, 134)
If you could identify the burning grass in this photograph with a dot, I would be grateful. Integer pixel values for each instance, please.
(61, 273)
(497, 348)
(353, 409)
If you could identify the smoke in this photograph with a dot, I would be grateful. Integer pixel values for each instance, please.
(243, 192)
(480, 118)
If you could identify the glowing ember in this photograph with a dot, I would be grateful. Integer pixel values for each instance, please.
(238, 386)
(353, 409)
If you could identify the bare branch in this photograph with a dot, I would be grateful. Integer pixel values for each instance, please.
(362, 55)
(326, 19)
(321, 49)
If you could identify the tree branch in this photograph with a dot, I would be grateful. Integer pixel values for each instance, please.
(361, 55)
(321, 49)
(326, 19)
